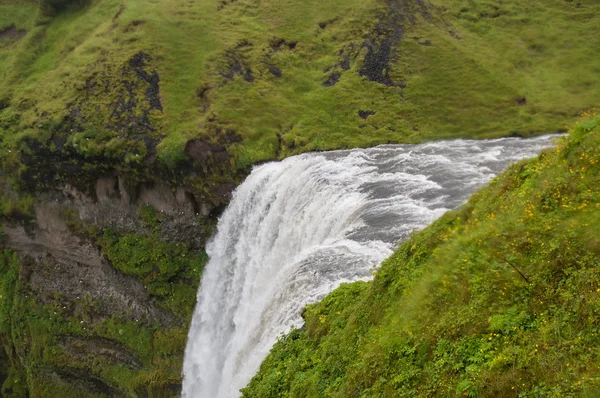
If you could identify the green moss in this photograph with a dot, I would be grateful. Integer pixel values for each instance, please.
(149, 216)
(56, 352)
(13, 206)
(169, 271)
(111, 85)
(499, 298)
(14, 383)
(462, 69)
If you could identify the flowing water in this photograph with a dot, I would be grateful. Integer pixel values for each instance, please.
(296, 229)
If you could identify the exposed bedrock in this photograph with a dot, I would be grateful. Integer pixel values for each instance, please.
(63, 265)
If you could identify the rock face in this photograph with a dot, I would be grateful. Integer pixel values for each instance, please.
(113, 315)
(116, 205)
(61, 262)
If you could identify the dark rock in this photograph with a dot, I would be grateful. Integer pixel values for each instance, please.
(132, 97)
(217, 211)
(387, 34)
(139, 60)
(137, 64)
(201, 151)
(345, 64)
(365, 114)
(237, 64)
(275, 71)
(332, 80)
(348, 54)
(278, 44)
(224, 190)
(12, 33)
(375, 67)
(152, 92)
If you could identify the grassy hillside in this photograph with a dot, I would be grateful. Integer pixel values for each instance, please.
(500, 298)
(184, 96)
(110, 80)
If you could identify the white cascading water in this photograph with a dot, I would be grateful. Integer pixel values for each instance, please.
(297, 229)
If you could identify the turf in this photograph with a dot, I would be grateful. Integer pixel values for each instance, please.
(500, 298)
(256, 69)
(128, 87)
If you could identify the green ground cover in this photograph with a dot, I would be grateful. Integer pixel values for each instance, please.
(105, 86)
(499, 298)
(257, 70)
(44, 337)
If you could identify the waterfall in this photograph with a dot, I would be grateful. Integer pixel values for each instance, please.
(296, 229)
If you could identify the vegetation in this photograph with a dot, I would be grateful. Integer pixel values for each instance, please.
(162, 267)
(499, 298)
(47, 337)
(192, 93)
(111, 80)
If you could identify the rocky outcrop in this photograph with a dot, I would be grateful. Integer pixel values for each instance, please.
(62, 263)
(115, 201)
(78, 265)
(63, 266)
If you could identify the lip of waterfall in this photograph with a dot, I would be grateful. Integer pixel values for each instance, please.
(297, 229)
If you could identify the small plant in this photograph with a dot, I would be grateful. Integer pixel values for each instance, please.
(150, 216)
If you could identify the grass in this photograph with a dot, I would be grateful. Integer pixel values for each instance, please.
(498, 298)
(124, 85)
(474, 69)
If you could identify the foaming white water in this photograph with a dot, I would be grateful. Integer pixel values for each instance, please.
(296, 229)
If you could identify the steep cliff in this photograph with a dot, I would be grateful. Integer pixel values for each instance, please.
(125, 126)
(500, 298)
(99, 298)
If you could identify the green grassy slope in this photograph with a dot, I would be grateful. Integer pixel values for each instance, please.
(499, 298)
(193, 92)
(291, 76)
